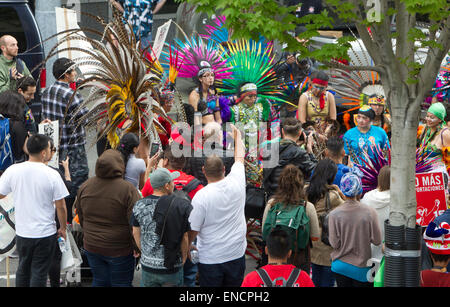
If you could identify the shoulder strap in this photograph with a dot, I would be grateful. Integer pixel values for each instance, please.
(295, 273)
(165, 219)
(264, 277)
(327, 201)
(191, 186)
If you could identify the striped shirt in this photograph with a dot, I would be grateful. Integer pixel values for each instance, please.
(55, 100)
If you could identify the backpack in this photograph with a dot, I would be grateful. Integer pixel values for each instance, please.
(183, 191)
(6, 155)
(293, 220)
(295, 273)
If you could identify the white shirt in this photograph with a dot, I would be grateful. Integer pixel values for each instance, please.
(218, 216)
(35, 188)
(380, 201)
(135, 167)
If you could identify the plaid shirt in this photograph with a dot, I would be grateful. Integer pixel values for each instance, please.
(139, 14)
(54, 101)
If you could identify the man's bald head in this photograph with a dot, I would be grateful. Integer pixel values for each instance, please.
(9, 46)
(214, 168)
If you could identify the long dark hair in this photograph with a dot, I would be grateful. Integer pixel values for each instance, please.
(200, 87)
(12, 105)
(324, 174)
(127, 143)
(290, 187)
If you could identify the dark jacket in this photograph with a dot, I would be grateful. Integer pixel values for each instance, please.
(104, 205)
(197, 161)
(289, 153)
(172, 222)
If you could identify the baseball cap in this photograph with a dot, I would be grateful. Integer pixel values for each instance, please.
(437, 235)
(161, 176)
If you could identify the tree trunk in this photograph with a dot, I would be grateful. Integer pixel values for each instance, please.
(405, 121)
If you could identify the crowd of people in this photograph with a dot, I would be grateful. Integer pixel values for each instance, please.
(319, 224)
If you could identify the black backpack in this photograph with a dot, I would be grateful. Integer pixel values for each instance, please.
(295, 273)
(182, 191)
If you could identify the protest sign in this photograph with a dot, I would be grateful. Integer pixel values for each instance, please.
(160, 39)
(430, 196)
(52, 130)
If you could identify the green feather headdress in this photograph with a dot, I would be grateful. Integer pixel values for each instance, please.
(251, 62)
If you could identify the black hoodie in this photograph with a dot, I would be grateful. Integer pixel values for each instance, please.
(289, 153)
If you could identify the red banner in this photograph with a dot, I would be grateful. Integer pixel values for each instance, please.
(431, 198)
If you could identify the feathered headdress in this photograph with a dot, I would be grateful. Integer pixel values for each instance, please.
(222, 35)
(354, 89)
(252, 66)
(121, 84)
(217, 31)
(199, 57)
(370, 166)
(441, 88)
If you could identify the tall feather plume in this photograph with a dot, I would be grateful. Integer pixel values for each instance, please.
(252, 63)
(122, 82)
(194, 52)
(353, 88)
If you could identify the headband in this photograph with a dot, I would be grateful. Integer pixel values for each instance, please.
(367, 111)
(248, 87)
(320, 82)
(204, 71)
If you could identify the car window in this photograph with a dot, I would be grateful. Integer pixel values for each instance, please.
(10, 24)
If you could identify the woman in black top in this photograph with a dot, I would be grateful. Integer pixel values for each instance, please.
(11, 106)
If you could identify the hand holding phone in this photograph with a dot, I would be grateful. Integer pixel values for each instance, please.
(154, 149)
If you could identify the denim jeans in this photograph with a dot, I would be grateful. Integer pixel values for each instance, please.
(111, 271)
(228, 274)
(150, 279)
(54, 274)
(35, 258)
(322, 276)
(190, 273)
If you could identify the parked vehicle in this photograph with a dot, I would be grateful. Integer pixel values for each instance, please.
(17, 19)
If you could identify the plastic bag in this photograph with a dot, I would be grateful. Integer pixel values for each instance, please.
(7, 227)
(379, 277)
(71, 257)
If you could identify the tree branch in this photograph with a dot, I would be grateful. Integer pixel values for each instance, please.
(430, 69)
